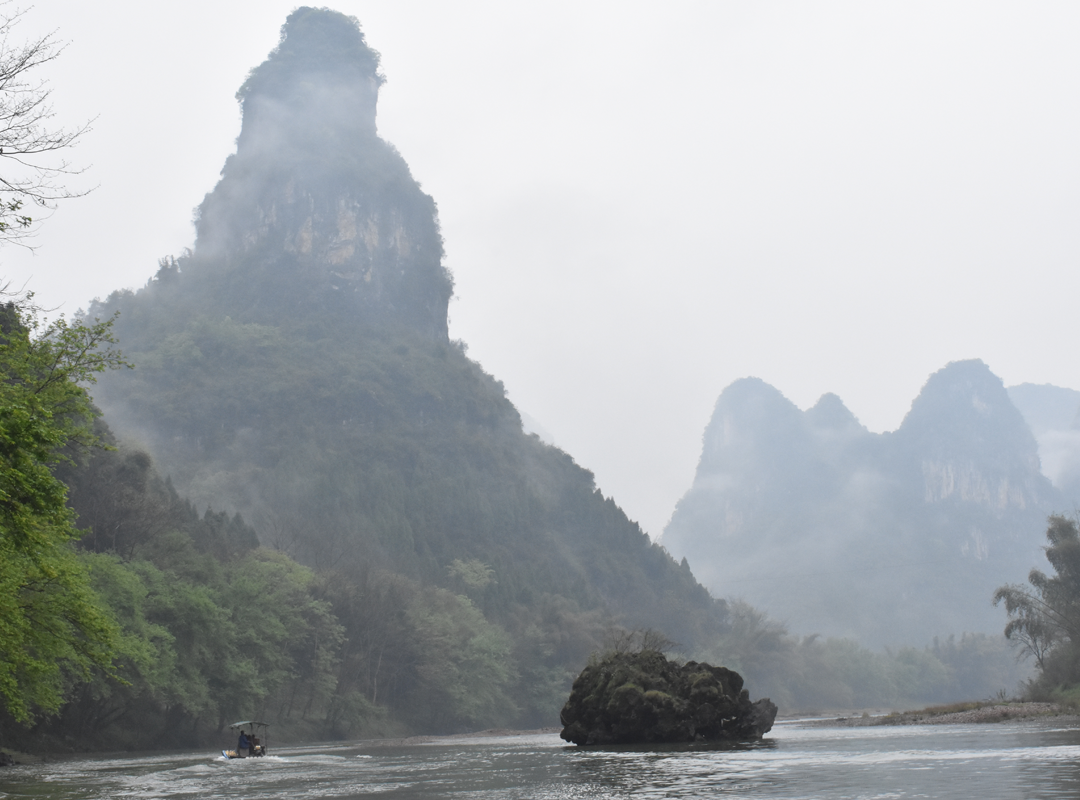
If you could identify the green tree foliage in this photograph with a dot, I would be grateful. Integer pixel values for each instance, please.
(474, 575)
(812, 673)
(202, 641)
(210, 628)
(425, 653)
(464, 667)
(51, 624)
(1044, 618)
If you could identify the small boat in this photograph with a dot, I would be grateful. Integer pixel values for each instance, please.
(256, 733)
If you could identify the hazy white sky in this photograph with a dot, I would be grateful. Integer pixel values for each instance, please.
(645, 201)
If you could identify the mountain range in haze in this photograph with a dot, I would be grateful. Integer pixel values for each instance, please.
(888, 538)
(1053, 414)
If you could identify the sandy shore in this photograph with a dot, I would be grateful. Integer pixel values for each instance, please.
(991, 712)
(411, 740)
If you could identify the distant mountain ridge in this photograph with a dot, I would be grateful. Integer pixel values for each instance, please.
(889, 538)
(1047, 407)
(1053, 413)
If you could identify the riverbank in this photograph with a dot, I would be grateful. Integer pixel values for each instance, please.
(434, 739)
(958, 714)
(14, 758)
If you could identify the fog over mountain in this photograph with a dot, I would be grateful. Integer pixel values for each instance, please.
(1053, 413)
(315, 213)
(890, 538)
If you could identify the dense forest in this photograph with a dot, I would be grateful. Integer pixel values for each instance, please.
(304, 503)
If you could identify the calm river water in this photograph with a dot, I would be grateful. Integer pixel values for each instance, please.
(1034, 759)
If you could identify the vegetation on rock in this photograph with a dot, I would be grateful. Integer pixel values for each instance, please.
(642, 697)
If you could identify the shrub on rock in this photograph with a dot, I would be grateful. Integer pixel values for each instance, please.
(642, 697)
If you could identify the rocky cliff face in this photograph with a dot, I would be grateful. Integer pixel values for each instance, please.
(970, 442)
(313, 205)
(891, 538)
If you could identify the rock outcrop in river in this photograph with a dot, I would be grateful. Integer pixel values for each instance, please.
(631, 698)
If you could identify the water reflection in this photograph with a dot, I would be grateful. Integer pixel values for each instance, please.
(1014, 760)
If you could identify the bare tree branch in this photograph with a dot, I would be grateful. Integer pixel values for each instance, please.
(30, 174)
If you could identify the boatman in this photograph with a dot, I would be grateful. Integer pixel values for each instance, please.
(243, 744)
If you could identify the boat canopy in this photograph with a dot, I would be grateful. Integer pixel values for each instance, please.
(249, 724)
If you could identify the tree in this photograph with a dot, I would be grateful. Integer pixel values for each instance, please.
(51, 622)
(1045, 618)
(464, 667)
(28, 140)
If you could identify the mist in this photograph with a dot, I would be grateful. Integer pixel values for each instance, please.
(643, 204)
(1053, 412)
(889, 539)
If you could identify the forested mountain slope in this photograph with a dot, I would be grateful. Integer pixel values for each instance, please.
(295, 367)
(888, 538)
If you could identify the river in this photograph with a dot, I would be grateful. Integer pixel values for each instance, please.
(1029, 759)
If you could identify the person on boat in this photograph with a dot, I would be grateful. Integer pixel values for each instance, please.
(243, 744)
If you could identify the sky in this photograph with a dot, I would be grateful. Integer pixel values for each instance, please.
(642, 201)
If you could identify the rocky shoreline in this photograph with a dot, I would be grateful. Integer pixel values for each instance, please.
(990, 712)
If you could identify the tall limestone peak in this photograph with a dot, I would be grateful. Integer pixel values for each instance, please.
(314, 212)
(295, 368)
(964, 408)
(752, 427)
(760, 456)
(970, 442)
(321, 81)
(830, 413)
(757, 436)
